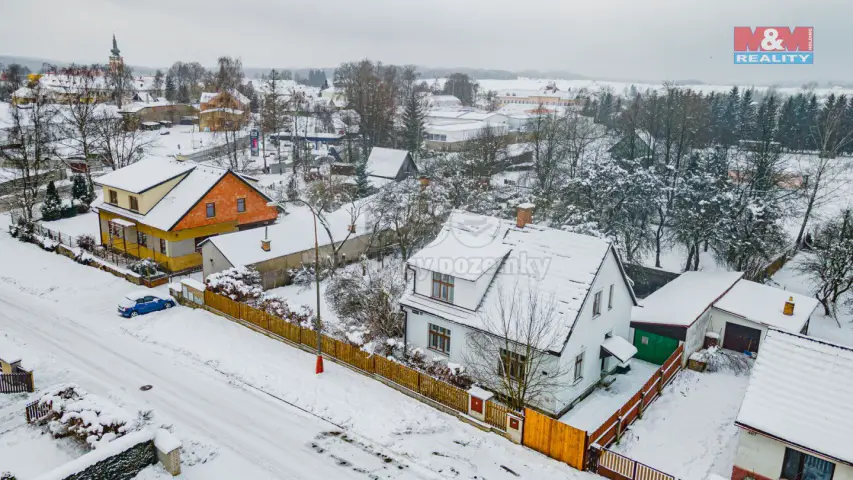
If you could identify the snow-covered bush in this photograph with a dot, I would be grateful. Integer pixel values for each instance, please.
(91, 419)
(237, 283)
(437, 367)
(145, 267)
(51, 209)
(87, 242)
(45, 243)
(7, 476)
(278, 307)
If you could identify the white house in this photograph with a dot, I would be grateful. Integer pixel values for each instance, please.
(476, 260)
(742, 317)
(388, 164)
(442, 101)
(796, 418)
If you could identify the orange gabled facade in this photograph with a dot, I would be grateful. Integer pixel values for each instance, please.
(225, 197)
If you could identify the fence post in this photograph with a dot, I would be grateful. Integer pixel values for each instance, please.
(30, 382)
(634, 474)
(618, 428)
(641, 408)
(660, 381)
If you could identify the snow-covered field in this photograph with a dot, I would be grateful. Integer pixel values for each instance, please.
(84, 224)
(244, 405)
(689, 431)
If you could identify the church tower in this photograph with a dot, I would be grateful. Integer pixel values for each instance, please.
(116, 60)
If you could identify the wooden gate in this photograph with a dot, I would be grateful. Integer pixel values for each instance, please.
(555, 439)
(16, 383)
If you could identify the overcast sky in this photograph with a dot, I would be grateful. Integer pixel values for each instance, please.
(649, 40)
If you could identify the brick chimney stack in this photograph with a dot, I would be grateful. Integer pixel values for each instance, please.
(524, 214)
(265, 242)
(789, 307)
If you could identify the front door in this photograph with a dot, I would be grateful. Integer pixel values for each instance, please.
(652, 347)
(740, 338)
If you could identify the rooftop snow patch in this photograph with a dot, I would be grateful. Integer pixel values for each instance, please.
(619, 348)
(144, 174)
(385, 162)
(680, 302)
(764, 304)
(800, 392)
(553, 267)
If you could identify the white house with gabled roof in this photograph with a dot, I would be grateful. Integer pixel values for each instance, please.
(461, 276)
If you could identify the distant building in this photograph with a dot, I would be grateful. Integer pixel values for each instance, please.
(220, 111)
(388, 164)
(442, 101)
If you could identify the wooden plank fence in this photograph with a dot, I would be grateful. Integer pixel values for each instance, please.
(16, 383)
(613, 428)
(619, 467)
(554, 439)
(37, 411)
(418, 382)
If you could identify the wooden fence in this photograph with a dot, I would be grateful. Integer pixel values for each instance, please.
(16, 383)
(390, 370)
(37, 411)
(555, 439)
(613, 428)
(614, 466)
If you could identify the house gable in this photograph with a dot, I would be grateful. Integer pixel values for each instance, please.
(145, 200)
(224, 195)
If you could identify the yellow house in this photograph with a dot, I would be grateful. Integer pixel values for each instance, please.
(163, 209)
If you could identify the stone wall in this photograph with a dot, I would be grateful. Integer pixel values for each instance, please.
(123, 466)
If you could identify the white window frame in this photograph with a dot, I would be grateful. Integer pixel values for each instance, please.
(596, 303)
(577, 373)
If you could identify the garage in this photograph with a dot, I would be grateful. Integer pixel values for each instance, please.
(740, 338)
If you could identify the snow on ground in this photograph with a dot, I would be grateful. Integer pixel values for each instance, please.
(182, 140)
(28, 452)
(689, 431)
(820, 325)
(595, 409)
(243, 405)
(83, 224)
(297, 295)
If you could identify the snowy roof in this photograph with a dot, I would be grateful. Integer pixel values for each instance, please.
(208, 96)
(193, 283)
(555, 265)
(619, 348)
(800, 392)
(385, 162)
(445, 113)
(292, 233)
(226, 110)
(180, 199)
(680, 302)
(137, 106)
(457, 127)
(480, 115)
(144, 174)
(763, 304)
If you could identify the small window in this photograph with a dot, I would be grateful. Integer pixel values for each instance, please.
(442, 287)
(211, 210)
(596, 304)
(113, 197)
(439, 338)
(162, 246)
(798, 465)
(141, 238)
(241, 205)
(578, 373)
(512, 365)
(610, 298)
(134, 203)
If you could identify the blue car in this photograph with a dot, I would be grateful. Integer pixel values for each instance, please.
(140, 303)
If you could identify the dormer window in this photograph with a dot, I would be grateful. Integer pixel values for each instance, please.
(442, 287)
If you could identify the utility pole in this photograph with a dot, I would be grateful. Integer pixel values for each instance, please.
(318, 326)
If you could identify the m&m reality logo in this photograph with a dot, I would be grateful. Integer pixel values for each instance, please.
(774, 45)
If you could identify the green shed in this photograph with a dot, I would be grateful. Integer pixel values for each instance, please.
(653, 347)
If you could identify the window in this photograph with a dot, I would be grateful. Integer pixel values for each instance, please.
(579, 367)
(116, 230)
(241, 205)
(141, 238)
(113, 197)
(211, 210)
(134, 203)
(610, 298)
(596, 304)
(802, 466)
(442, 287)
(512, 364)
(163, 246)
(439, 339)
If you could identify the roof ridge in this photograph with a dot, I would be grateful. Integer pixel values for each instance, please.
(813, 339)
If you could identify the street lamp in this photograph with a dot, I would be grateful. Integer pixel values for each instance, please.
(317, 324)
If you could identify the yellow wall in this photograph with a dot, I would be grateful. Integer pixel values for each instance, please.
(147, 199)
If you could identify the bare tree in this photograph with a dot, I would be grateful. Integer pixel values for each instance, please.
(29, 149)
(830, 265)
(119, 80)
(512, 354)
(413, 213)
(119, 141)
(78, 129)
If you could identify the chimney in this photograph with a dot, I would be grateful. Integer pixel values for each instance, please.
(265, 242)
(524, 214)
(789, 307)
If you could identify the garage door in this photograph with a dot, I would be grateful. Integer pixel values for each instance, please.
(652, 347)
(740, 338)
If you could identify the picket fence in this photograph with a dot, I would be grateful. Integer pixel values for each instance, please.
(418, 382)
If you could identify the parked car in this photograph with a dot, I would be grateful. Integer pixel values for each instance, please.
(140, 303)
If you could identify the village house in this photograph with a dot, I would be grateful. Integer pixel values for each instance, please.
(462, 275)
(795, 420)
(164, 209)
(390, 165)
(720, 304)
(159, 111)
(223, 111)
(289, 243)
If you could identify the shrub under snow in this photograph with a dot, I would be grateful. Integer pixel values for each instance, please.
(237, 283)
(278, 307)
(145, 267)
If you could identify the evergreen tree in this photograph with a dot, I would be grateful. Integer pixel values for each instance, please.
(79, 188)
(413, 124)
(809, 120)
(731, 120)
(746, 117)
(183, 94)
(362, 182)
(90, 192)
(51, 209)
(787, 132)
(169, 90)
